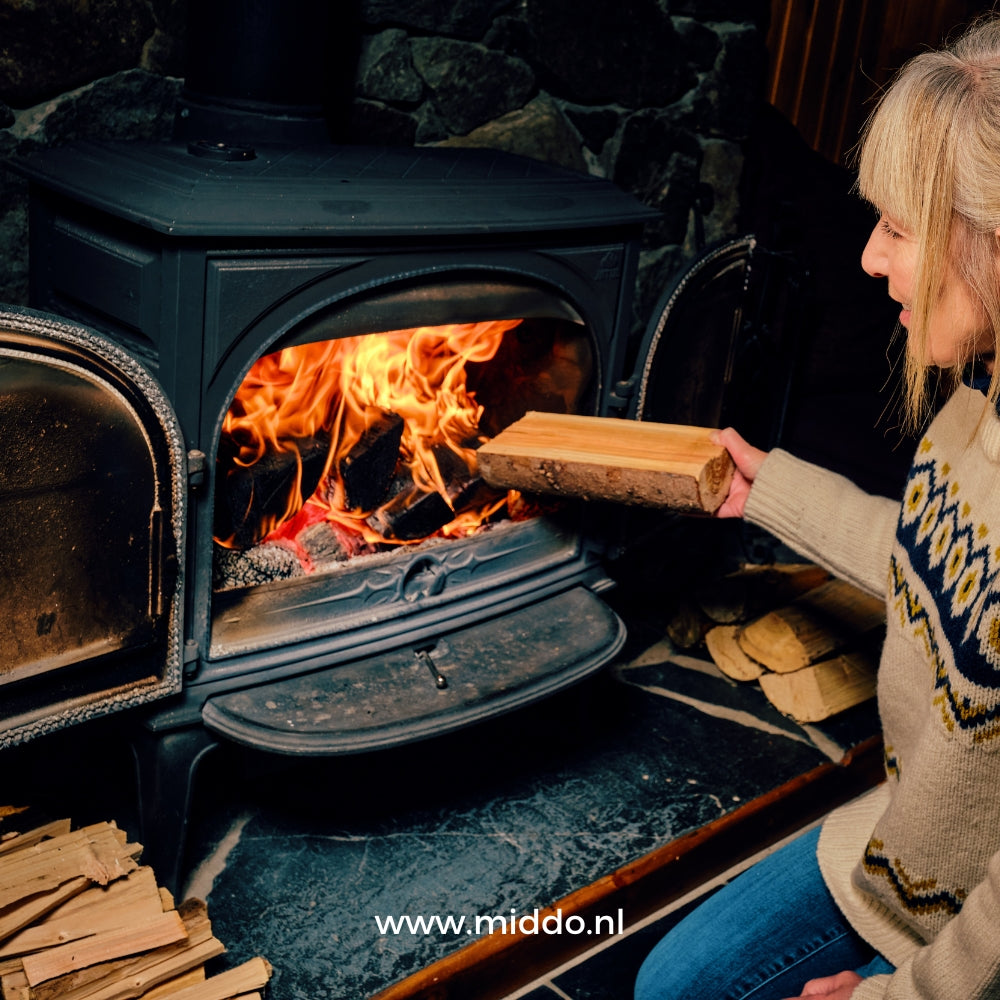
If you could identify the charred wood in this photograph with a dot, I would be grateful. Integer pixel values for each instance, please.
(411, 515)
(326, 542)
(234, 568)
(248, 494)
(366, 471)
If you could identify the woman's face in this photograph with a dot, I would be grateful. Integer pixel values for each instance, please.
(957, 321)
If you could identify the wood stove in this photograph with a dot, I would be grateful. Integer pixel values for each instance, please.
(338, 585)
(163, 277)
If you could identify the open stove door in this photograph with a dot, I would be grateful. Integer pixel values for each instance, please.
(720, 346)
(92, 478)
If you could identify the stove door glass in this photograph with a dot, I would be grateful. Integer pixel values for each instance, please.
(91, 504)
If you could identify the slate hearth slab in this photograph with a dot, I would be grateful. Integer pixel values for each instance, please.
(516, 814)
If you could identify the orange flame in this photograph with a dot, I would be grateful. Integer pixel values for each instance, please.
(333, 387)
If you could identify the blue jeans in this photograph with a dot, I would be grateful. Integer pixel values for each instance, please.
(760, 937)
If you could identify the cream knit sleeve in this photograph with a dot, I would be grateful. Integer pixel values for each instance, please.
(961, 963)
(825, 518)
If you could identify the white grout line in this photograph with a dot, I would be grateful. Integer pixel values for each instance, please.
(547, 979)
(824, 744)
(660, 653)
(203, 877)
(747, 719)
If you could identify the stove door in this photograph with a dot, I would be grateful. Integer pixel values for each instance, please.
(92, 514)
(719, 349)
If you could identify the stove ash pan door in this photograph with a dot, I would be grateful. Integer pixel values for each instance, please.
(92, 511)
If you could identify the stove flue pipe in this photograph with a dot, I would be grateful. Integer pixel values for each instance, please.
(266, 72)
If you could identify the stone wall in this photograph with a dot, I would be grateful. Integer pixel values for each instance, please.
(653, 94)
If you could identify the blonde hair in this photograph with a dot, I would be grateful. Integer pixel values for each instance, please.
(930, 161)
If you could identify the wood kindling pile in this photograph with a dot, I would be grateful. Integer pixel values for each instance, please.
(814, 656)
(82, 919)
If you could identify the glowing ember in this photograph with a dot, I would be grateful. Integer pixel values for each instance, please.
(347, 392)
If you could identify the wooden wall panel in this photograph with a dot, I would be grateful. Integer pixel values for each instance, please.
(829, 58)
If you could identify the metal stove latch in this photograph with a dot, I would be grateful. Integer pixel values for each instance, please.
(424, 657)
(191, 658)
(621, 395)
(197, 469)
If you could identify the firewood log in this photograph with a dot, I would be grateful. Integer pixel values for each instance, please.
(815, 626)
(823, 689)
(606, 458)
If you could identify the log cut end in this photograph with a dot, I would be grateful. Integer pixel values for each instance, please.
(607, 458)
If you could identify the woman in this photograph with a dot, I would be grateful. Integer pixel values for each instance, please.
(898, 894)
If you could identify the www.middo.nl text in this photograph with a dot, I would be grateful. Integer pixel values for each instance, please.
(512, 923)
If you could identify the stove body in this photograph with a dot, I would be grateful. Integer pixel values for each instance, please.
(194, 264)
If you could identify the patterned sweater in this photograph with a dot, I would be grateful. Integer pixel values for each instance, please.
(915, 865)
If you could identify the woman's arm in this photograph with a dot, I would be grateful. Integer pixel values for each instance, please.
(961, 963)
(820, 514)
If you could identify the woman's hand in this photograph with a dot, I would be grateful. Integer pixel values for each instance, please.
(838, 987)
(748, 461)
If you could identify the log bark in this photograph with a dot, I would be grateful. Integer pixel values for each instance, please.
(605, 458)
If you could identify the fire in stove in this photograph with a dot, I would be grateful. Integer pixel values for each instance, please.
(350, 447)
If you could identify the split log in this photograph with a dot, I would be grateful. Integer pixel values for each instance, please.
(245, 978)
(17, 841)
(754, 589)
(723, 646)
(823, 689)
(165, 929)
(817, 625)
(127, 902)
(14, 986)
(185, 979)
(247, 495)
(605, 458)
(366, 470)
(119, 938)
(25, 913)
(127, 978)
(99, 852)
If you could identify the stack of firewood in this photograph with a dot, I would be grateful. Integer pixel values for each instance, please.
(82, 919)
(814, 656)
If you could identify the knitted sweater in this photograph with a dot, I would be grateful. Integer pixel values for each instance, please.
(915, 865)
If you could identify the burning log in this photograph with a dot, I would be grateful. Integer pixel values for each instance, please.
(366, 471)
(411, 515)
(251, 497)
(326, 542)
(252, 567)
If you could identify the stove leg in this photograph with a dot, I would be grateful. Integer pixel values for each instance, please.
(165, 765)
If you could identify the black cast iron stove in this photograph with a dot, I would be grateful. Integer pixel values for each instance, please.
(163, 276)
(192, 260)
